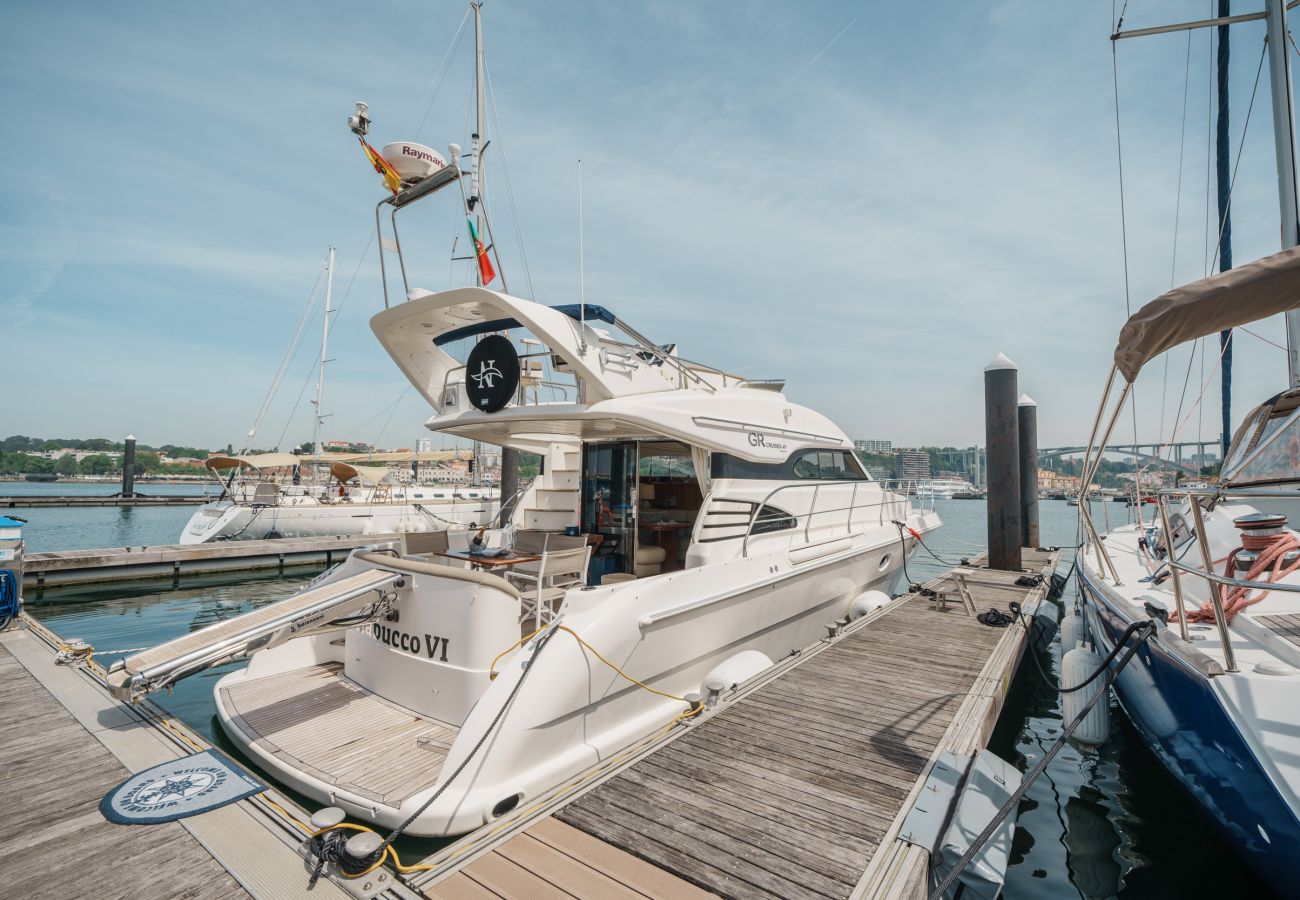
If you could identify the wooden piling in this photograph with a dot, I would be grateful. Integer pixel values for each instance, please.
(1002, 437)
(1027, 411)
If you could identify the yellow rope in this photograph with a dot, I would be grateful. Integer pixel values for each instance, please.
(639, 684)
(288, 815)
(492, 669)
(388, 851)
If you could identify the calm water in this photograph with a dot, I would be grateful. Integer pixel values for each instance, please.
(1100, 823)
(85, 528)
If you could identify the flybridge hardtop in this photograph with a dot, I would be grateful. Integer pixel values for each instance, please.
(582, 373)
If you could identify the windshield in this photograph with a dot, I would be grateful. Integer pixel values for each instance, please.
(1276, 456)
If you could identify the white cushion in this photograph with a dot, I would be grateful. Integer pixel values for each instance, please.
(649, 556)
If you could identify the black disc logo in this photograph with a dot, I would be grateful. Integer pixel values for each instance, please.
(492, 373)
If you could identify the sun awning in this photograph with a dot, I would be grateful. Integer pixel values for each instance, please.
(368, 474)
(1246, 294)
(398, 456)
(254, 461)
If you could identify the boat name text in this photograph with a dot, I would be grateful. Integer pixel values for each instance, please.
(434, 646)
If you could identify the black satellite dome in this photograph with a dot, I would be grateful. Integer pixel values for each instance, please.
(492, 373)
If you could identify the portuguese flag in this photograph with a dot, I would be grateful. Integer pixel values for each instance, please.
(382, 167)
(485, 270)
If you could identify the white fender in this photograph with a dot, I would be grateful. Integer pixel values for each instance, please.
(1073, 630)
(1076, 665)
(731, 672)
(867, 602)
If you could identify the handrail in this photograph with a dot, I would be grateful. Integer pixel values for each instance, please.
(1216, 602)
(888, 498)
(1234, 582)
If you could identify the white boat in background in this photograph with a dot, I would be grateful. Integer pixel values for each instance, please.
(944, 488)
(720, 527)
(284, 495)
(265, 496)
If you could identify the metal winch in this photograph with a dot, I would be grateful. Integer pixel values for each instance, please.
(1257, 531)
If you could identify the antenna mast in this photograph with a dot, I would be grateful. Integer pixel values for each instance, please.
(477, 197)
(324, 341)
(582, 270)
(1279, 74)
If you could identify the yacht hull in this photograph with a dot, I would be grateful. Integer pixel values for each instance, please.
(1178, 713)
(226, 521)
(571, 712)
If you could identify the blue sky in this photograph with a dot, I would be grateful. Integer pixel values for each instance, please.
(868, 200)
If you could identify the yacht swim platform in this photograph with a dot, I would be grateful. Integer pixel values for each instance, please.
(798, 785)
(313, 718)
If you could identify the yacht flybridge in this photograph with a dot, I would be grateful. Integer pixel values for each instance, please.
(689, 527)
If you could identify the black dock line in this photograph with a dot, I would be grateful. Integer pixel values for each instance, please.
(1144, 631)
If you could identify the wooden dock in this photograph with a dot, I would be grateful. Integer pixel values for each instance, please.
(64, 744)
(797, 787)
(50, 500)
(68, 567)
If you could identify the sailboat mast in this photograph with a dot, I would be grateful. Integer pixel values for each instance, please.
(324, 344)
(478, 174)
(1279, 74)
(478, 123)
(1223, 166)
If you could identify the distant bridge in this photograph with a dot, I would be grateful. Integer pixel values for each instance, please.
(1147, 453)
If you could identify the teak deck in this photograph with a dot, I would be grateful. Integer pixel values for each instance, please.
(322, 723)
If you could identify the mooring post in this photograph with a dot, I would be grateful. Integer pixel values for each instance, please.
(128, 467)
(1001, 437)
(1028, 427)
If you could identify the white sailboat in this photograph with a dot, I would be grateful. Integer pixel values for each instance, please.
(693, 526)
(1215, 691)
(265, 495)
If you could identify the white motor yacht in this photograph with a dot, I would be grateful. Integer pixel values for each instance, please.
(689, 528)
(368, 689)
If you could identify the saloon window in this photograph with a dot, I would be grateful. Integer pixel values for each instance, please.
(803, 465)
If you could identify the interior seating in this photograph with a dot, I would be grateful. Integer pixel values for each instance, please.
(649, 561)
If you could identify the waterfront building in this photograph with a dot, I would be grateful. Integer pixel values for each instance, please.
(912, 465)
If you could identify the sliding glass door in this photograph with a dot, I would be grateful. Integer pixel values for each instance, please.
(609, 481)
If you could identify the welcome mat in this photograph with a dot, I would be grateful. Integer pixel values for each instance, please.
(179, 788)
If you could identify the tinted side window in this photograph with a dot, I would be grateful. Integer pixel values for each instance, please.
(770, 518)
(811, 465)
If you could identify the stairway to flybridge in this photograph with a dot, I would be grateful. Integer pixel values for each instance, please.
(553, 502)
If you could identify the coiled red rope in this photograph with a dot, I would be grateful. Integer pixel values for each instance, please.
(1272, 551)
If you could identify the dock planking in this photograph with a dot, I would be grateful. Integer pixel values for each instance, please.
(56, 844)
(38, 501)
(793, 790)
(552, 859)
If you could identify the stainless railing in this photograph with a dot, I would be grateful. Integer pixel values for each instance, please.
(1206, 571)
(893, 506)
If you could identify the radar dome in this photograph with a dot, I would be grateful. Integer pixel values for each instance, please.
(412, 162)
